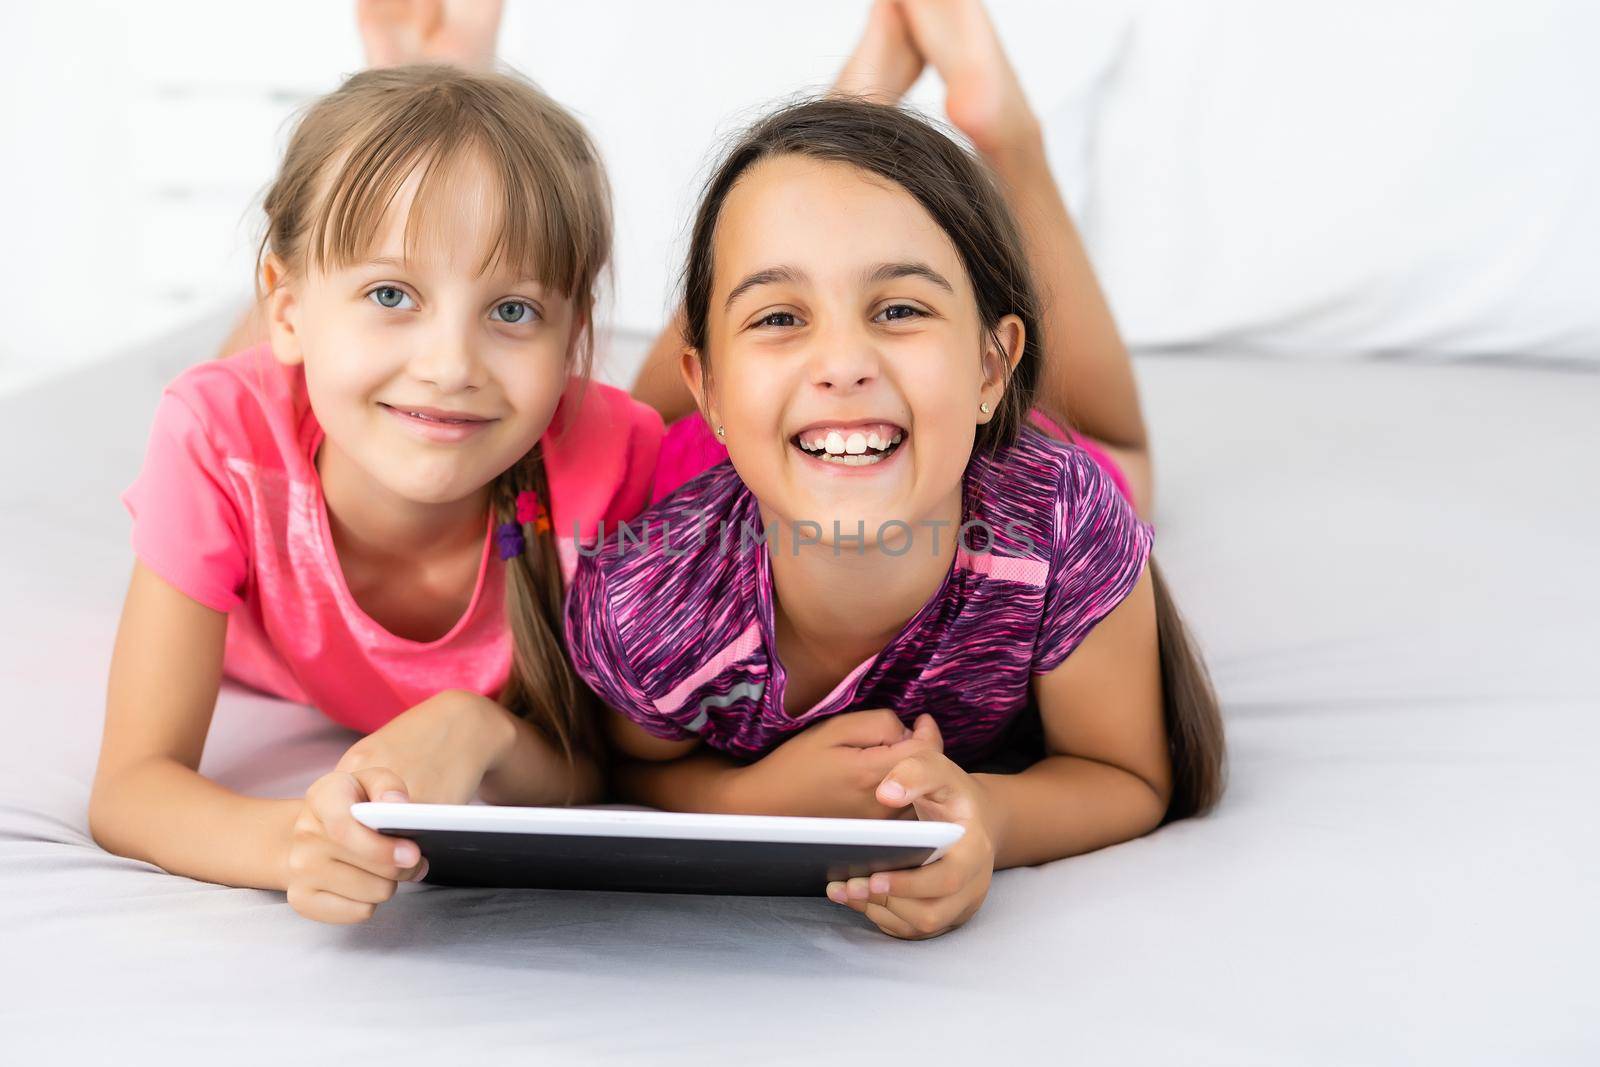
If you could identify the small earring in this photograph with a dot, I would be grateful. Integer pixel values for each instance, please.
(722, 435)
(984, 407)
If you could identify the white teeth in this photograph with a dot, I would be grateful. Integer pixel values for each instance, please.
(852, 448)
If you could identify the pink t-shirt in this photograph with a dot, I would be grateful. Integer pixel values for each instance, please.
(228, 508)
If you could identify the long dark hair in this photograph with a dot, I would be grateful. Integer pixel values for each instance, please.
(961, 195)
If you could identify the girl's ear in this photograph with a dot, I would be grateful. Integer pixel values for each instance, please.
(694, 376)
(282, 308)
(1000, 358)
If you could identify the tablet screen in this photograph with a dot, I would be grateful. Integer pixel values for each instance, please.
(648, 851)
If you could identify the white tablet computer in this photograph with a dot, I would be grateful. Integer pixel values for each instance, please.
(653, 851)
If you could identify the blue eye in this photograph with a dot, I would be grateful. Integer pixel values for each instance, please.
(514, 311)
(388, 296)
(908, 312)
(778, 318)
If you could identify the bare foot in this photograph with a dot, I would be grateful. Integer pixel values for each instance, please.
(885, 63)
(983, 97)
(429, 31)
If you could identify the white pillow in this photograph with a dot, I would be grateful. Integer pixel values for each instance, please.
(1419, 177)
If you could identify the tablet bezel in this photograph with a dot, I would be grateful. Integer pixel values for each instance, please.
(396, 818)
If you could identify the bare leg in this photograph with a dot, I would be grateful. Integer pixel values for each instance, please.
(462, 32)
(885, 63)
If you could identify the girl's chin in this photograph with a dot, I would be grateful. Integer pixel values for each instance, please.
(431, 485)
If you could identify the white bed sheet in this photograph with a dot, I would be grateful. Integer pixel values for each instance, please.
(1392, 567)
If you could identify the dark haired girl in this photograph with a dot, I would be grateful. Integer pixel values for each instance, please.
(900, 543)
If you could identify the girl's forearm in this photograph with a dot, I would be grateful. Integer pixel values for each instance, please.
(1064, 806)
(1086, 374)
(697, 782)
(165, 813)
(659, 383)
(528, 770)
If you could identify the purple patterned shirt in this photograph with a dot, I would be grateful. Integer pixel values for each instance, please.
(677, 633)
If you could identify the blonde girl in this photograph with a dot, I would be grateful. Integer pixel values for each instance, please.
(373, 512)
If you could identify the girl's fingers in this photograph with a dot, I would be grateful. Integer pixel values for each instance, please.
(326, 907)
(924, 776)
(330, 799)
(389, 857)
(858, 892)
(839, 893)
(926, 918)
(891, 923)
(380, 783)
(942, 878)
(866, 729)
(925, 738)
(353, 883)
(896, 916)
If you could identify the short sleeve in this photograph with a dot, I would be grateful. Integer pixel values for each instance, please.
(599, 458)
(597, 653)
(644, 450)
(1100, 551)
(187, 526)
(688, 450)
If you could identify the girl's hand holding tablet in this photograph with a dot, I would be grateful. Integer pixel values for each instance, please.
(441, 749)
(338, 871)
(833, 769)
(437, 752)
(927, 901)
(829, 770)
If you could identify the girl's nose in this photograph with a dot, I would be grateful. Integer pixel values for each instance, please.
(449, 361)
(843, 364)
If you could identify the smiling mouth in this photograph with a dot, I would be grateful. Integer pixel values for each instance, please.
(860, 445)
(443, 418)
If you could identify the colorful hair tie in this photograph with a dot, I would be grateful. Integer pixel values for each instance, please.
(531, 509)
(509, 535)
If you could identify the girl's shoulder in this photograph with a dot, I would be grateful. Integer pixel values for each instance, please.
(685, 551)
(640, 607)
(1089, 546)
(682, 534)
(688, 450)
(227, 433)
(247, 405)
(1028, 491)
(1060, 507)
(1053, 463)
(600, 454)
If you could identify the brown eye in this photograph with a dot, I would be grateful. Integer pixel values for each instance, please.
(778, 318)
(897, 312)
